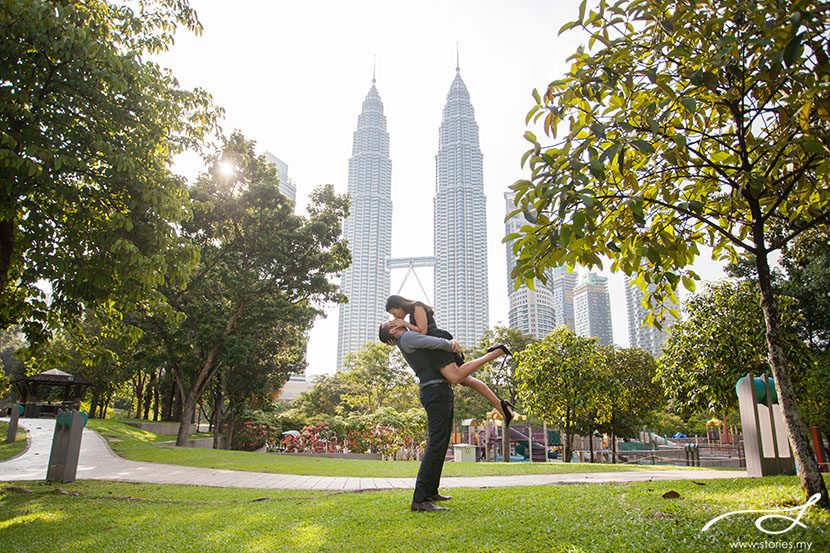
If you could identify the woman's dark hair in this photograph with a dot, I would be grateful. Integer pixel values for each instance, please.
(407, 305)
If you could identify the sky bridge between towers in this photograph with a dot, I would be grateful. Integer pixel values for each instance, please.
(410, 264)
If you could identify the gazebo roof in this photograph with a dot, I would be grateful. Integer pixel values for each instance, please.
(54, 376)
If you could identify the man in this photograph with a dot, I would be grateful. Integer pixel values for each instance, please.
(437, 398)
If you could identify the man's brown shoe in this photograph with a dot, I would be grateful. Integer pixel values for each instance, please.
(439, 497)
(426, 506)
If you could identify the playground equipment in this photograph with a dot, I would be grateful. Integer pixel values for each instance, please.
(66, 446)
(821, 451)
(14, 415)
(766, 446)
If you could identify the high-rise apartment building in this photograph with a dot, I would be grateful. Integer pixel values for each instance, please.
(531, 311)
(648, 337)
(460, 237)
(287, 186)
(562, 284)
(366, 283)
(592, 308)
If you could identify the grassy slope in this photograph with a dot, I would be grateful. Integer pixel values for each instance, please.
(139, 445)
(117, 517)
(9, 450)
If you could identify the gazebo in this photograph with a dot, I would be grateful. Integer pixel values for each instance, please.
(31, 388)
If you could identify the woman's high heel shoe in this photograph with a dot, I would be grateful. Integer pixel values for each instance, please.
(502, 347)
(507, 407)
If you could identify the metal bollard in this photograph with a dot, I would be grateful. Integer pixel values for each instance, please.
(66, 446)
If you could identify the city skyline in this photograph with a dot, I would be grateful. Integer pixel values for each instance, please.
(292, 77)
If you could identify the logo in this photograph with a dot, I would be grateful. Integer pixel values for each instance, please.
(773, 514)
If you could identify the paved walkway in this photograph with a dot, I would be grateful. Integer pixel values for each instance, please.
(98, 462)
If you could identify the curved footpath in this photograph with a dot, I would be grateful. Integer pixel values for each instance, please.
(99, 462)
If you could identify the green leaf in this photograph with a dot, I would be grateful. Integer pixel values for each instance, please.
(597, 169)
(689, 103)
(710, 80)
(643, 146)
(793, 50)
(598, 129)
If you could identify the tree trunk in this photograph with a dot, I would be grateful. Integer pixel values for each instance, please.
(148, 395)
(138, 386)
(177, 401)
(591, 445)
(7, 228)
(218, 400)
(205, 373)
(167, 411)
(811, 480)
(569, 441)
(613, 446)
(93, 405)
(156, 396)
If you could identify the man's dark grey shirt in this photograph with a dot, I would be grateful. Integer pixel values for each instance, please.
(415, 349)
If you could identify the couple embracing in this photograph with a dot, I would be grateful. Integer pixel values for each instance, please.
(438, 363)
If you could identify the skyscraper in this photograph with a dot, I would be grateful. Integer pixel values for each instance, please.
(592, 308)
(287, 186)
(367, 229)
(460, 237)
(531, 311)
(562, 284)
(648, 338)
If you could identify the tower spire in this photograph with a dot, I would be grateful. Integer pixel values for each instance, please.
(457, 59)
(374, 68)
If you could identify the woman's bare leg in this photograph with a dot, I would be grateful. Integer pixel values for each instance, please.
(456, 375)
(484, 390)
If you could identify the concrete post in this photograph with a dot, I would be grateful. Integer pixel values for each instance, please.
(66, 446)
(14, 417)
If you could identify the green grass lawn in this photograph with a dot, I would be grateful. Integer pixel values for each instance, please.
(140, 445)
(119, 517)
(10, 449)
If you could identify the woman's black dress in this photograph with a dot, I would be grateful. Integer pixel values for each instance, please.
(438, 358)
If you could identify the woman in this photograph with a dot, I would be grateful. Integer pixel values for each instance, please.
(422, 320)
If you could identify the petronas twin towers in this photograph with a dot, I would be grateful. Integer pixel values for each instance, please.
(460, 228)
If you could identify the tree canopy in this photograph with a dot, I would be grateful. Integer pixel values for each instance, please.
(88, 130)
(560, 379)
(375, 377)
(262, 275)
(683, 124)
(721, 339)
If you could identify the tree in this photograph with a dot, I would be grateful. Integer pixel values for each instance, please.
(375, 377)
(692, 123)
(88, 130)
(720, 340)
(560, 380)
(323, 398)
(262, 273)
(95, 348)
(631, 392)
(805, 261)
(497, 375)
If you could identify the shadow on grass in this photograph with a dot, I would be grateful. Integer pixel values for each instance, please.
(630, 517)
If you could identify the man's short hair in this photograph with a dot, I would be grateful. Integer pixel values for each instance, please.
(384, 334)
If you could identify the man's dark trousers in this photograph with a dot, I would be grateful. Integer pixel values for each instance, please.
(437, 399)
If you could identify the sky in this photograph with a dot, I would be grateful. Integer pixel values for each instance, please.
(293, 76)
